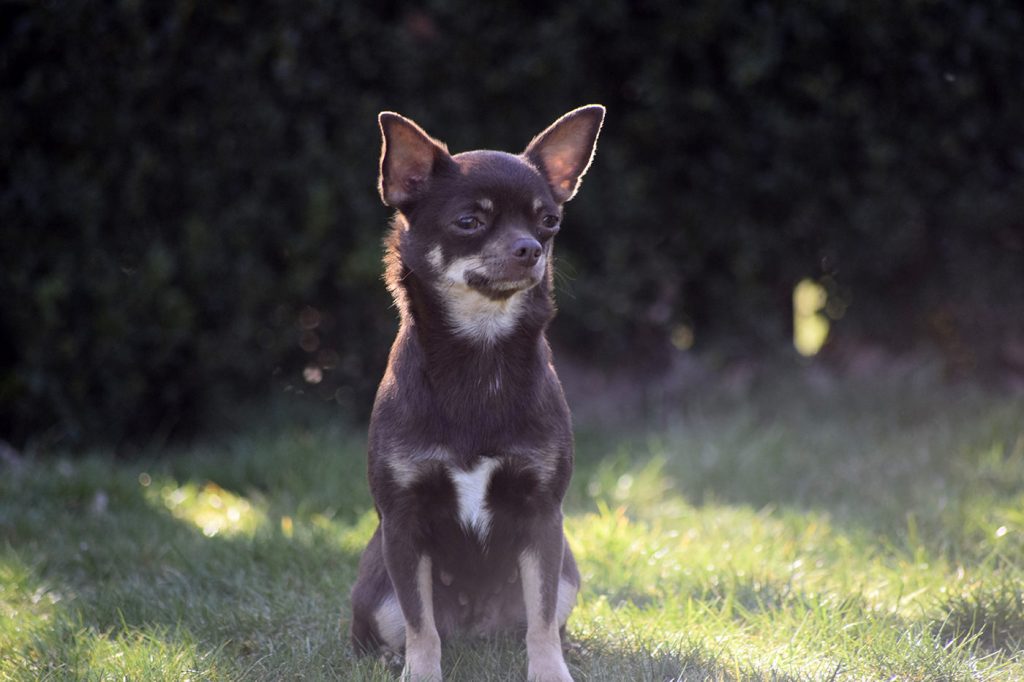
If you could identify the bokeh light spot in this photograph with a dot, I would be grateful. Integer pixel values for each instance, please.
(810, 327)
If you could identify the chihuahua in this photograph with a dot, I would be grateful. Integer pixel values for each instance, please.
(470, 441)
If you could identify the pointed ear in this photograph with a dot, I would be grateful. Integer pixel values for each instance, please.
(563, 152)
(408, 158)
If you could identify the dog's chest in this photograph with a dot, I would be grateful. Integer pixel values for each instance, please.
(471, 487)
(484, 499)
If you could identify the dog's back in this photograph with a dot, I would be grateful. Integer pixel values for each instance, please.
(470, 437)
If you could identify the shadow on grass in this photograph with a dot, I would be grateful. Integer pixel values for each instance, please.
(628, 657)
(910, 462)
(898, 504)
(112, 576)
(110, 580)
(234, 559)
(99, 555)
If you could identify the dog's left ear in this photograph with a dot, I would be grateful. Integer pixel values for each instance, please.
(408, 159)
(564, 151)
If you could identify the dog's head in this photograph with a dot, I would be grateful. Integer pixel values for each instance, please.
(478, 226)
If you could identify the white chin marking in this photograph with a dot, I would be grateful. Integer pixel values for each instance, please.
(483, 319)
(512, 286)
(473, 315)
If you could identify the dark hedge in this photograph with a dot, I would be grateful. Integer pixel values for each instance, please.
(189, 215)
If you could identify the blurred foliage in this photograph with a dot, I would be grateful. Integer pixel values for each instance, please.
(189, 215)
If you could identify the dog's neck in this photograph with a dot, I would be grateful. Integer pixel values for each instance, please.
(457, 356)
(470, 322)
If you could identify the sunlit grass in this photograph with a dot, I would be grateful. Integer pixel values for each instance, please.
(845, 532)
(27, 608)
(40, 641)
(210, 508)
(780, 591)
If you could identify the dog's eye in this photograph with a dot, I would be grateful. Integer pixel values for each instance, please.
(549, 221)
(468, 223)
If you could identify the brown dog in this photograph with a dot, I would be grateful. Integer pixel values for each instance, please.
(470, 446)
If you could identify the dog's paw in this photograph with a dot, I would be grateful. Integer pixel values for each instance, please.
(574, 651)
(391, 660)
(415, 673)
(422, 663)
(549, 669)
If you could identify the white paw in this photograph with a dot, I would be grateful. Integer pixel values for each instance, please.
(423, 663)
(419, 672)
(548, 668)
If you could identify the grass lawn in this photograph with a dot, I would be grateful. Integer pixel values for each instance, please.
(802, 531)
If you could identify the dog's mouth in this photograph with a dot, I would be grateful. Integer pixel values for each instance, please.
(494, 278)
(497, 288)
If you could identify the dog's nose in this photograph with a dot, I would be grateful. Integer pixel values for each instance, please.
(526, 251)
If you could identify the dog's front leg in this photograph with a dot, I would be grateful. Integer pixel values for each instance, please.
(411, 575)
(540, 566)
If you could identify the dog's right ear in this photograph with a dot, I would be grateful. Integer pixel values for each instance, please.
(564, 151)
(408, 157)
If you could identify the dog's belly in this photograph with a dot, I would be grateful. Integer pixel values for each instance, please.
(475, 523)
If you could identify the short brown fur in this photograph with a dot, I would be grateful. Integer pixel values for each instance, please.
(470, 443)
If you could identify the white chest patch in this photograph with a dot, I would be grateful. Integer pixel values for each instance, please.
(471, 490)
